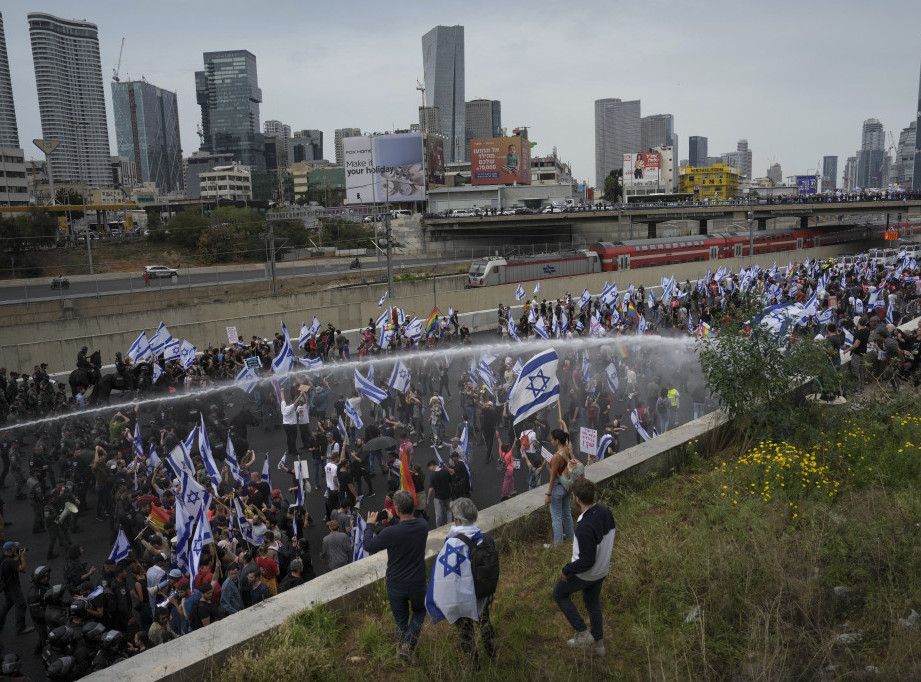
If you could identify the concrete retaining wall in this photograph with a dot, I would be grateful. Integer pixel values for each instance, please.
(112, 323)
(194, 656)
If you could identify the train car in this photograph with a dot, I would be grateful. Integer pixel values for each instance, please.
(495, 270)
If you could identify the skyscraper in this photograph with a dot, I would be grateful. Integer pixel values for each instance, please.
(229, 95)
(483, 119)
(741, 158)
(850, 173)
(9, 133)
(870, 157)
(658, 130)
(71, 99)
(903, 169)
(429, 122)
(916, 173)
(829, 172)
(443, 69)
(775, 173)
(147, 132)
(697, 151)
(617, 132)
(306, 145)
(282, 134)
(337, 141)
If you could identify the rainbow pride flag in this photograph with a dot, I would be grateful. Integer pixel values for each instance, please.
(431, 324)
(631, 311)
(621, 351)
(406, 478)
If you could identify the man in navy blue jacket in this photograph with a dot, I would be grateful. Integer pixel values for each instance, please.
(405, 545)
(591, 557)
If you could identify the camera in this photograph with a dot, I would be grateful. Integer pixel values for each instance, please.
(23, 550)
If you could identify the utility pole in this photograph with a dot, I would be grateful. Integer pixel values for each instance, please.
(389, 250)
(86, 223)
(272, 259)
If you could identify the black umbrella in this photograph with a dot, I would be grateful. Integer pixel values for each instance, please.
(380, 443)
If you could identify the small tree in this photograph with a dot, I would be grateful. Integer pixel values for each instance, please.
(614, 186)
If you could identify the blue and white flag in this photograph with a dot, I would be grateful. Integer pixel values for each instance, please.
(140, 349)
(585, 298)
(266, 471)
(171, 350)
(609, 294)
(153, 460)
(610, 373)
(187, 354)
(383, 320)
(159, 340)
(183, 535)
(157, 371)
(536, 387)
(401, 317)
(444, 412)
(352, 414)
(368, 389)
(489, 379)
(641, 326)
(890, 312)
(516, 370)
(380, 303)
(198, 543)
(283, 462)
(635, 418)
(190, 440)
(230, 458)
(519, 293)
(180, 461)
(512, 328)
(400, 378)
(603, 444)
(137, 443)
(541, 328)
(310, 363)
(340, 425)
(451, 593)
(192, 496)
(247, 379)
(284, 362)
(414, 328)
(121, 549)
(358, 539)
(314, 327)
(204, 447)
(536, 288)
(305, 334)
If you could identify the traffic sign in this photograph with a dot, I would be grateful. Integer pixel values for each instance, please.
(892, 236)
(47, 146)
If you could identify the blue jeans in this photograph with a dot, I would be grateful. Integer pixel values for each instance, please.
(319, 475)
(14, 598)
(591, 597)
(402, 601)
(378, 457)
(560, 514)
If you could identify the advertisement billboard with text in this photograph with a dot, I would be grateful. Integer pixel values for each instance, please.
(644, 167)
(399, 171)
(807, 184)
(359, 180)
(500, 161)
(435, 160)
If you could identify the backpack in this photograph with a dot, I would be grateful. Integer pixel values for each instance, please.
(484, 564)
(574, 469)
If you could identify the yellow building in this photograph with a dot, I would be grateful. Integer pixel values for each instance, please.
(718, 181)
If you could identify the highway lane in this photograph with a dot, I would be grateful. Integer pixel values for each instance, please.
(87, 285)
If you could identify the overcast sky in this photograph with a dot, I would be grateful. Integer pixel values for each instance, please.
(797, 79)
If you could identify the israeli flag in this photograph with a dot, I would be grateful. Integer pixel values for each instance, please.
(444, 412)
(825, 316)
(368, 389)
(603, 444)
(358, 540)
(283, 462)
(414, 328)
(635, 418)
(193, 496)
(400, 379)
(310, 363)
(341, 426)
(180, 461)
(489, 379)
(198, 543)
(266, 471)
(848, 337)
(159, 340)
(247, 379)
(401, 317)
(609, 294)
(585, 298)
(652, 299)
(536, 387)
(157, 372)
(121, 549)
(536, 288)
(519, 293)
(380, 303)
(352, 414)
(641, 326)
(305, 334)
(314, 327)
(516, 370)
(140, 349)
(153, 459)
(451, 592)
(512, 328)
(386, 338)
(890, 313)
(613, 381)
(187, 354)
(171, 350)
(204, 447)
(383, 320)
(541, 328)
(137, 443)
(230, 458)
(284, 363)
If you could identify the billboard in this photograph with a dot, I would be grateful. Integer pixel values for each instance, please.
(359, 182)
(642, 167)
(807, 184)
(500, 161)
(399, 170)
(435, 159)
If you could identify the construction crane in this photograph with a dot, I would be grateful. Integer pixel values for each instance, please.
(119, 65)
(201, 134)
(421, 88)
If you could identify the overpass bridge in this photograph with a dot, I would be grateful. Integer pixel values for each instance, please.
(632, 221)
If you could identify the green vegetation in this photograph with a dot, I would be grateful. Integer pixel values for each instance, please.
(22, 237)
(719, 572)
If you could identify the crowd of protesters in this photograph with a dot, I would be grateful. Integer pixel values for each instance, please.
(101, 462)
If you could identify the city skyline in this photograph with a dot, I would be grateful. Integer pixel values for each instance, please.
(328, 82)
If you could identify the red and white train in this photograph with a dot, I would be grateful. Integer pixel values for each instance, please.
(648, 253)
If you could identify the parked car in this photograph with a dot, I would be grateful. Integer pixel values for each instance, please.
(60, 283)
(158, 271)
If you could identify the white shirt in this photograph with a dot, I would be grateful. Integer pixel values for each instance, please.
(332, 482)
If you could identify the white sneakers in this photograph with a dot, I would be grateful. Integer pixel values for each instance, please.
(584, 640)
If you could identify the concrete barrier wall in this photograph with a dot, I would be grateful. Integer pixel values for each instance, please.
(195, 656)
(113, 322)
